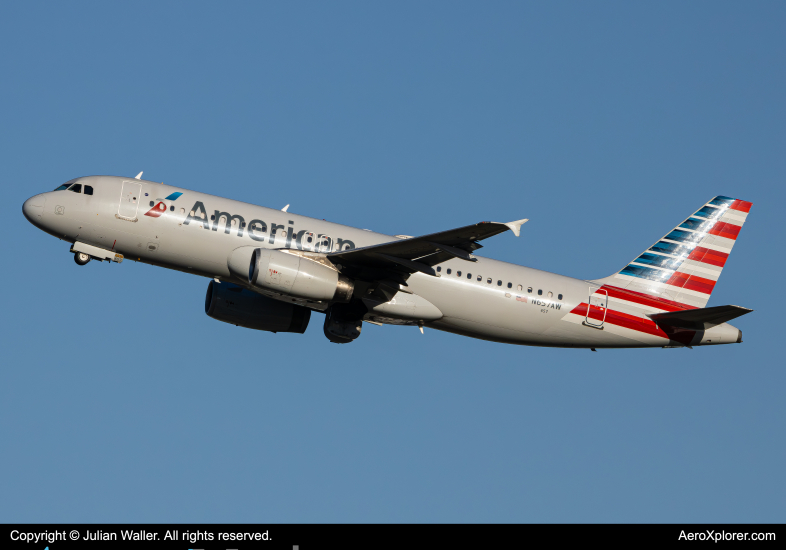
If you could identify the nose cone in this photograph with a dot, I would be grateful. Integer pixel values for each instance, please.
(33, 209)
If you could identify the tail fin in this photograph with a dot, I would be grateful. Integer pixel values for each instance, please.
(684, 265)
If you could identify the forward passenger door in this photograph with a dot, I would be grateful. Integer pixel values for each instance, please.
(129, 201)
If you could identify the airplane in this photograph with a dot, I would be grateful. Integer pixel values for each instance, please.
(270, 269)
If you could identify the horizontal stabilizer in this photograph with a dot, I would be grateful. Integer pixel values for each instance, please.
(699, 319)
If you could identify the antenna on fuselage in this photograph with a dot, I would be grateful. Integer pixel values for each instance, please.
(139, 175)
(285, 208)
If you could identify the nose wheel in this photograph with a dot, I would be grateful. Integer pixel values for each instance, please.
(81, 258)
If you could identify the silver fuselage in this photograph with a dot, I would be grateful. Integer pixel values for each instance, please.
(519, 305)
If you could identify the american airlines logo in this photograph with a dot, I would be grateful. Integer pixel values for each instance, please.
(257, 230)
(159, 205)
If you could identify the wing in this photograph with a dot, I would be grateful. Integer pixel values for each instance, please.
(398, 259)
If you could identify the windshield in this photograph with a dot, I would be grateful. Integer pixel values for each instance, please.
(66, 185)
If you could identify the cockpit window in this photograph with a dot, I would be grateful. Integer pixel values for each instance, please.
(77, 188)
(63, 187)
(88, 190)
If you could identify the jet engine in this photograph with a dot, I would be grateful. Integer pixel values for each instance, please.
(298, 276)
(238, 306)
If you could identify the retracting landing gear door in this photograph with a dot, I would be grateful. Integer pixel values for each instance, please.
(129, 201)
(598, 306)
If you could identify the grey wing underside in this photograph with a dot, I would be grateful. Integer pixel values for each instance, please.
(398, 259)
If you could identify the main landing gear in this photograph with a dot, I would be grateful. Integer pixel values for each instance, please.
(81, 258)
(344, 321)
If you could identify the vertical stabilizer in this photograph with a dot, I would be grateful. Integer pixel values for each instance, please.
(684, 266)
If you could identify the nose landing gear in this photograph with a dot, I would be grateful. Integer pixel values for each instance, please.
(81, 258)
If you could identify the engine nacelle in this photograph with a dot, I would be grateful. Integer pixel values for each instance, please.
(298, 276)
(236, 305)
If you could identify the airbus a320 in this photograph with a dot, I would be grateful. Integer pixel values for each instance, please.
(270, 269)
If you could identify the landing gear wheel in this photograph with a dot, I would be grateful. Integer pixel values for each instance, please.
(81, 258)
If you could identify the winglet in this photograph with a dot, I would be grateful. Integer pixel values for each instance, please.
(139, 175)
(516, 226)
(285, 208)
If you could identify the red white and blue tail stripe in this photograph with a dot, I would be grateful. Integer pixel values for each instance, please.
(683, 267)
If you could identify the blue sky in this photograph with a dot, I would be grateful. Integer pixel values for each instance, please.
(604, 123)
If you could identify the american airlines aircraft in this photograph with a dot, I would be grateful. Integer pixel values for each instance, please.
(270, 269)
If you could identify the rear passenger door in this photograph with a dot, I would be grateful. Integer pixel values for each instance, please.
(597, 308)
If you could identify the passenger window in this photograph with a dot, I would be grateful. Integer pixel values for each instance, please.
(458, 273)
(76, 188)
(88, 190)
(520, 287)
(448, 271)
(171, 208)
(243, 224)
(559, 296)
(439, 268)
(212, 217)
(529, 289)
(480, 278)
(551, 294)
(510, 285)
(469, 275)
(540, 292)
(499, 283)
(488, 280)
(152, 203)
